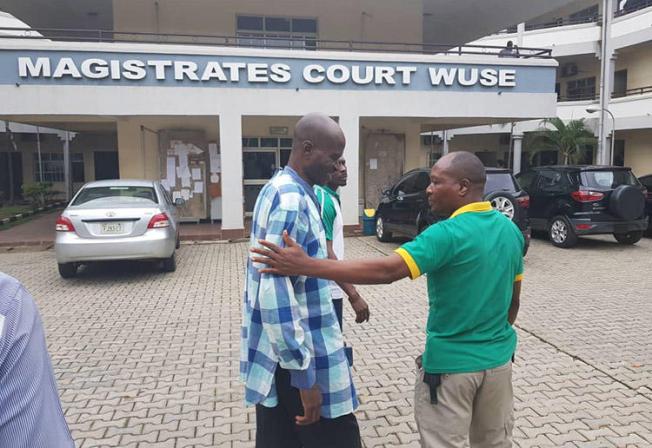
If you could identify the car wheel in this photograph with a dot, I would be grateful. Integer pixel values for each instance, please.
(67, 270)
(169, 264)
(561, 233)
(629, 237)
(504, 203)
(381, 233)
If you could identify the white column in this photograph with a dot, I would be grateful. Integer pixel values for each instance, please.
(231, 175)
(517, 139)
(67, 167)
(520, 29)
(444, 147)
(606, 76)
(350, 195)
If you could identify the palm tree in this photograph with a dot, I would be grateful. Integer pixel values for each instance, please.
(569, 138)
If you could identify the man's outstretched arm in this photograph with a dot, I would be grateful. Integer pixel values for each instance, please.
(292, 260)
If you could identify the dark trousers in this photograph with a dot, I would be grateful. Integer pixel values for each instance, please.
(337, 304)
(276, 427)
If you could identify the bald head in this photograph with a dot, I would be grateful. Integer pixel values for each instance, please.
(318, 143)
(318, 128)
(464, 165)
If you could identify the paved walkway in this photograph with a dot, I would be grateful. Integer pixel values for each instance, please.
(146, 359)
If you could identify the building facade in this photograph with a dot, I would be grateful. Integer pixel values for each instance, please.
(204, 95)
(578, 37)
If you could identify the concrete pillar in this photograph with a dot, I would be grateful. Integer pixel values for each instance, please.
(517, 140)
(444, 147)
(231, 175)
(67, 167)
(607, 66)
(520, 29)
(350, 194)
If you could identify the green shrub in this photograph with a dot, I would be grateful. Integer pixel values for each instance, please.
(38, 193)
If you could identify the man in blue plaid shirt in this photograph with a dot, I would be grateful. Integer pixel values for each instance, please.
(292, 354)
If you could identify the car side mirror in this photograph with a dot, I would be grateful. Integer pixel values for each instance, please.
(400, 195)
(179, 202)
(386, 192)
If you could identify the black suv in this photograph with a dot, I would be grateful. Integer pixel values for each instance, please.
(404, 207)
(572, 200)
(647, 183)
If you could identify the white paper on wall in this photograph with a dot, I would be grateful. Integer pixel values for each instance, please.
(199, 188)
(215, 178)
(170, 177)
(185, 194)
(176, 195)
(196, 174)
(373, 164)
(214, 158)
(185, 182)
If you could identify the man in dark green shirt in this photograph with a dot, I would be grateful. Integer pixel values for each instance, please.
(474, 265)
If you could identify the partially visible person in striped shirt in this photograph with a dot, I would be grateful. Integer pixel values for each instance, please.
(293, 361)
(30, 410)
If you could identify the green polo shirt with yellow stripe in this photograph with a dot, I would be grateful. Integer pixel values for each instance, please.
(472, 260)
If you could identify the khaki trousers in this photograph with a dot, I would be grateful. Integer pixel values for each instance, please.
(475, 408)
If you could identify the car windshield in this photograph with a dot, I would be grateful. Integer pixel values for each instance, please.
(116, 195)
(607, 178)
(499, 182)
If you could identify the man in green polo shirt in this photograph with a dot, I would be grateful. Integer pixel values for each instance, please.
(474, 265)
(331, 216)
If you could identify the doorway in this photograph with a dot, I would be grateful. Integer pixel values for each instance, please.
(384, 155)
(106, 165)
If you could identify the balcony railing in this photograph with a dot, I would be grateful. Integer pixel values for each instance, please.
(554, 24)
(594, 96)
(631, 92)
(632, 6)
(578, 97)
(84, 35)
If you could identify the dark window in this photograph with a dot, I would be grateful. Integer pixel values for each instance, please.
(526, 180)
(285, 156)
(277, 24)
(499, 182)
(607, 178)
(250, 196)
(408, 185)
(285, 143)
(549, 180)
(269, 142)
(620, 83)
(647, 181)
(422, 182)
(249, 142)
(304, 26)
(53, 167)
(250, 23)
(619, 153)
(259, 165)
(581, 89)
(116, 194)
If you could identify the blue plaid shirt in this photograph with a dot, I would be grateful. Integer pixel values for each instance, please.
(290, 321)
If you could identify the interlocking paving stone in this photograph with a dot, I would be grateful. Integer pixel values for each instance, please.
(144, 358)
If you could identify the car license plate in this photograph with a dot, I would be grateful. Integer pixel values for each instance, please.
(112, 228)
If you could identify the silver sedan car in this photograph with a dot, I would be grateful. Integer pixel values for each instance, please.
(117, 220)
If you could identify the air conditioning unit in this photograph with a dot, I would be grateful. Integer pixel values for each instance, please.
(569, 69)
